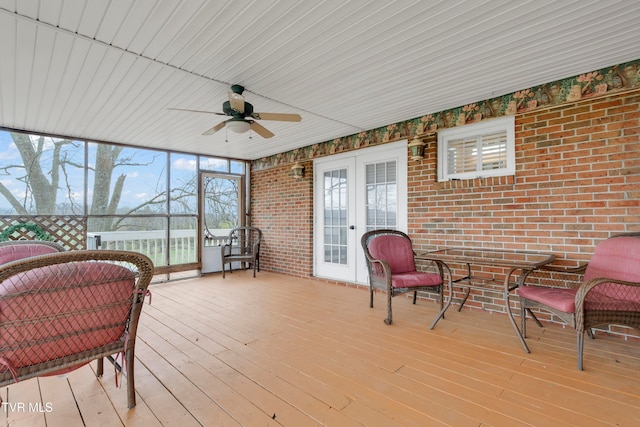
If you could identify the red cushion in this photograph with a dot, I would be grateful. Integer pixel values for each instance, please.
(59, 310)
(16, 252)
(559, 298)
(395, 250)
(615, 258)
(414, 279)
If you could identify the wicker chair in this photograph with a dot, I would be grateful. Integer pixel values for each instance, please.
(392, 268)
(608, 295)
(243, 245)
(60, 311)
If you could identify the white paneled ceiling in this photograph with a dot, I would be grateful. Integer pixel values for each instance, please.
(109, 70)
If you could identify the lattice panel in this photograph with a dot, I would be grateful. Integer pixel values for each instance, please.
(69, 231)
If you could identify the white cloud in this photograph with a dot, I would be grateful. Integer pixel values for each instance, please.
(185, 164)
(10, 153)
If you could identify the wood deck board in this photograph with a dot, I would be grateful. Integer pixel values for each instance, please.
(270, 402)
(198, 404)
(216, 378)
(142, 416)
(457, 398)
(92, 400)
(56, 392)
(22, 393)
(284, 351)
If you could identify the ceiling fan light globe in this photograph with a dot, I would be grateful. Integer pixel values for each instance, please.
(238, 126)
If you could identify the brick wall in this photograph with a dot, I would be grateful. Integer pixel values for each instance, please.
(282, 206)
(577, 182)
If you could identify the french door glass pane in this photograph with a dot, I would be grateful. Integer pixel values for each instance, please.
(381, 187)
(335, 216)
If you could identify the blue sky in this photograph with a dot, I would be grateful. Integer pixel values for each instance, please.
(142, 182)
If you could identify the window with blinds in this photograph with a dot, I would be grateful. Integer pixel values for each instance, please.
(478, 150)
(382, 195)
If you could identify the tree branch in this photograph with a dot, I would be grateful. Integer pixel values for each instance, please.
(14, 202)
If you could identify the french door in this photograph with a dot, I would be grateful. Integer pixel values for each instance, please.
(354, 193)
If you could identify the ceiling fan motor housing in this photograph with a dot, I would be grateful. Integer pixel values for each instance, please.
(226, 108)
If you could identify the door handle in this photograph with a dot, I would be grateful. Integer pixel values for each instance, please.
(352, 227)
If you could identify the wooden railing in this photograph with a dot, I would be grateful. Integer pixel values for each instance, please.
(182, 244)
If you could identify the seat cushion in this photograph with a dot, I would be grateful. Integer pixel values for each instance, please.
(395, 250)
(415, 279)
(562, 299)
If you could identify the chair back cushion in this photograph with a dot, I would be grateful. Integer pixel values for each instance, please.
(15, 252)
(395, 250)
(616, 258)
(63, 309)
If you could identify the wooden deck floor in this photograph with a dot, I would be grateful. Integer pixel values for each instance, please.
(278, 350)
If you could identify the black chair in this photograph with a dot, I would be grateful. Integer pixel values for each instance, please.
(243, 245)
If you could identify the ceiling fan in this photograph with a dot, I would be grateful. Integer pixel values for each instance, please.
(242, 115)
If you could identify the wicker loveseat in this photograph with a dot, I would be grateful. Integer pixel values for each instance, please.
(60, 311)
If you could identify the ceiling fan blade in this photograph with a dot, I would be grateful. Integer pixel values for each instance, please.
(215, 129)
(197, 111)
(237, 101)
(261, 130)
(277, 116)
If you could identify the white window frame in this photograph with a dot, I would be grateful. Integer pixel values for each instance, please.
(504, 124)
